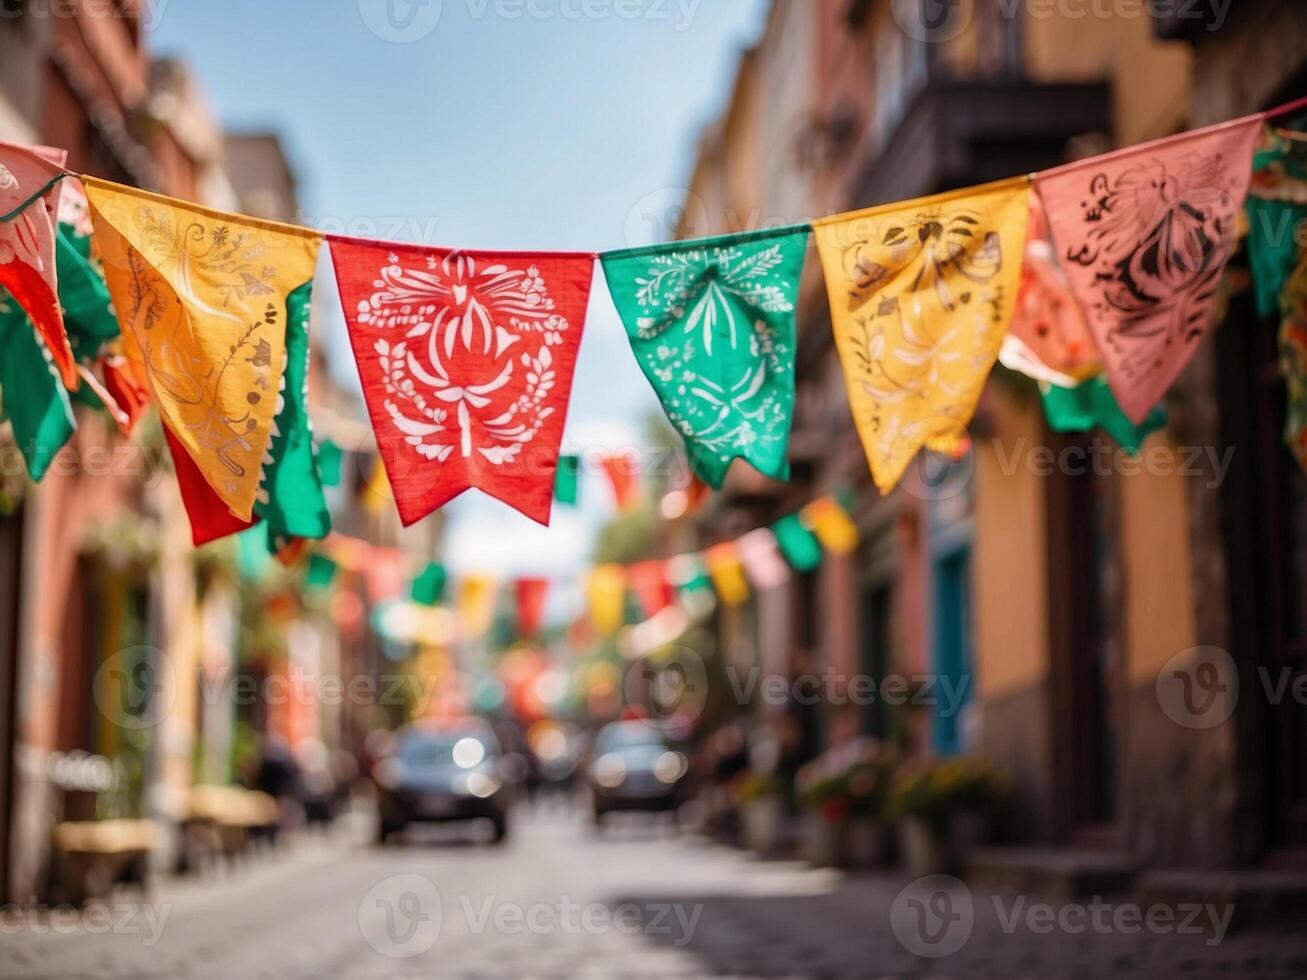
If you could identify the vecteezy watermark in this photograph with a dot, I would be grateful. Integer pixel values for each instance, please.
(400, 916)
(135, 688)
(401, 21)
(935, 917)
(1199, 688)
(148, 13)
(403, 917)
(833, 687)
(96, 919)
(939, 21)
(408, 21)
(123, 461)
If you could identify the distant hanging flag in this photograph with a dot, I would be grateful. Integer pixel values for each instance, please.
(1049, 339)
(429, 586)
(712, 326)
(761, 556)
(321, 571)
(531, 595)
(649, 583)
(30, 186)
(330, 458)
(476, 604)
(605, 592)
(466, 360)
(727, 573)
(623, 472)
(832, 525)
(567, 484)
(799, 545)
(921, 294)
(1144, 235)
(1092, 405)
(384, 574)
(202, 298)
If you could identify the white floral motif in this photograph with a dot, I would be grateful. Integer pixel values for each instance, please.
(462, 321)
(690, 299)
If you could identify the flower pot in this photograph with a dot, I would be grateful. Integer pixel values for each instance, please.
(967, 831)
(763, 820)
(867, 842)
(824, 841)
(923, 853)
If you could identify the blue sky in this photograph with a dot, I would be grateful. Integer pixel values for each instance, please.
(555, 124)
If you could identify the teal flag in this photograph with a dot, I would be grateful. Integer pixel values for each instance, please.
(330, 457)
(1276, 206)
(1092, 404)
(712, 326)
(35, 399)
(567, 482)
(429, 587)
(799, 545)
(290, 498)
(321, 572)
(88, 311)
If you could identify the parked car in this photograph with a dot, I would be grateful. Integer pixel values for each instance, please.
(441, 774)
(635, 768)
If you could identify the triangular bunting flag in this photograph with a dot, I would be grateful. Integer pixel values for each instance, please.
(762, 560)
(649, 583)
(567, 484)
(1293, 360)
(321, 571)
(605, 592)
(832, 525)
(30, 179)
(1049, 339)
(727, 572)
(1092, 404)
(290, 496)
(35, 400)
(209, 516)
(531, 594)
(921, 294)
(623, 474)
(466, 360)
(712, 326)
(429, 587)
(1144, 235)
(1276, 206)
(202, 299)
(799, 545)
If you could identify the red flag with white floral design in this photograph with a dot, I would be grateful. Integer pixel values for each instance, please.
(466, 360)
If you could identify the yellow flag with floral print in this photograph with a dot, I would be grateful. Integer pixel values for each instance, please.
(202, 300)
(921, 294)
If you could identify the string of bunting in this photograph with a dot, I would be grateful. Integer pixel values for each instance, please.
(1096, 278)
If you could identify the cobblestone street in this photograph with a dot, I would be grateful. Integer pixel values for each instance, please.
(559, 901)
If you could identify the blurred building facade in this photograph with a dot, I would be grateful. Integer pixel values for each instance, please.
(1052, 601)
(98, 577)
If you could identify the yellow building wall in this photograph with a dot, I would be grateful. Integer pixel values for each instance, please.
(1009, 581)
(1159, 613)
(1151, 80)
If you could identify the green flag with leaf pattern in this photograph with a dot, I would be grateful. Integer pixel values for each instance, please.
(712, 326)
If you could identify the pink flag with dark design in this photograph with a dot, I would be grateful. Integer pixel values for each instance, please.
(29, 199)
(1144, 234)
(466, 359)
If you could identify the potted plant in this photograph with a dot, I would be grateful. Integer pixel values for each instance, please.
(824, 798)
(869, 779)
(762, 811)
(943, 810)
